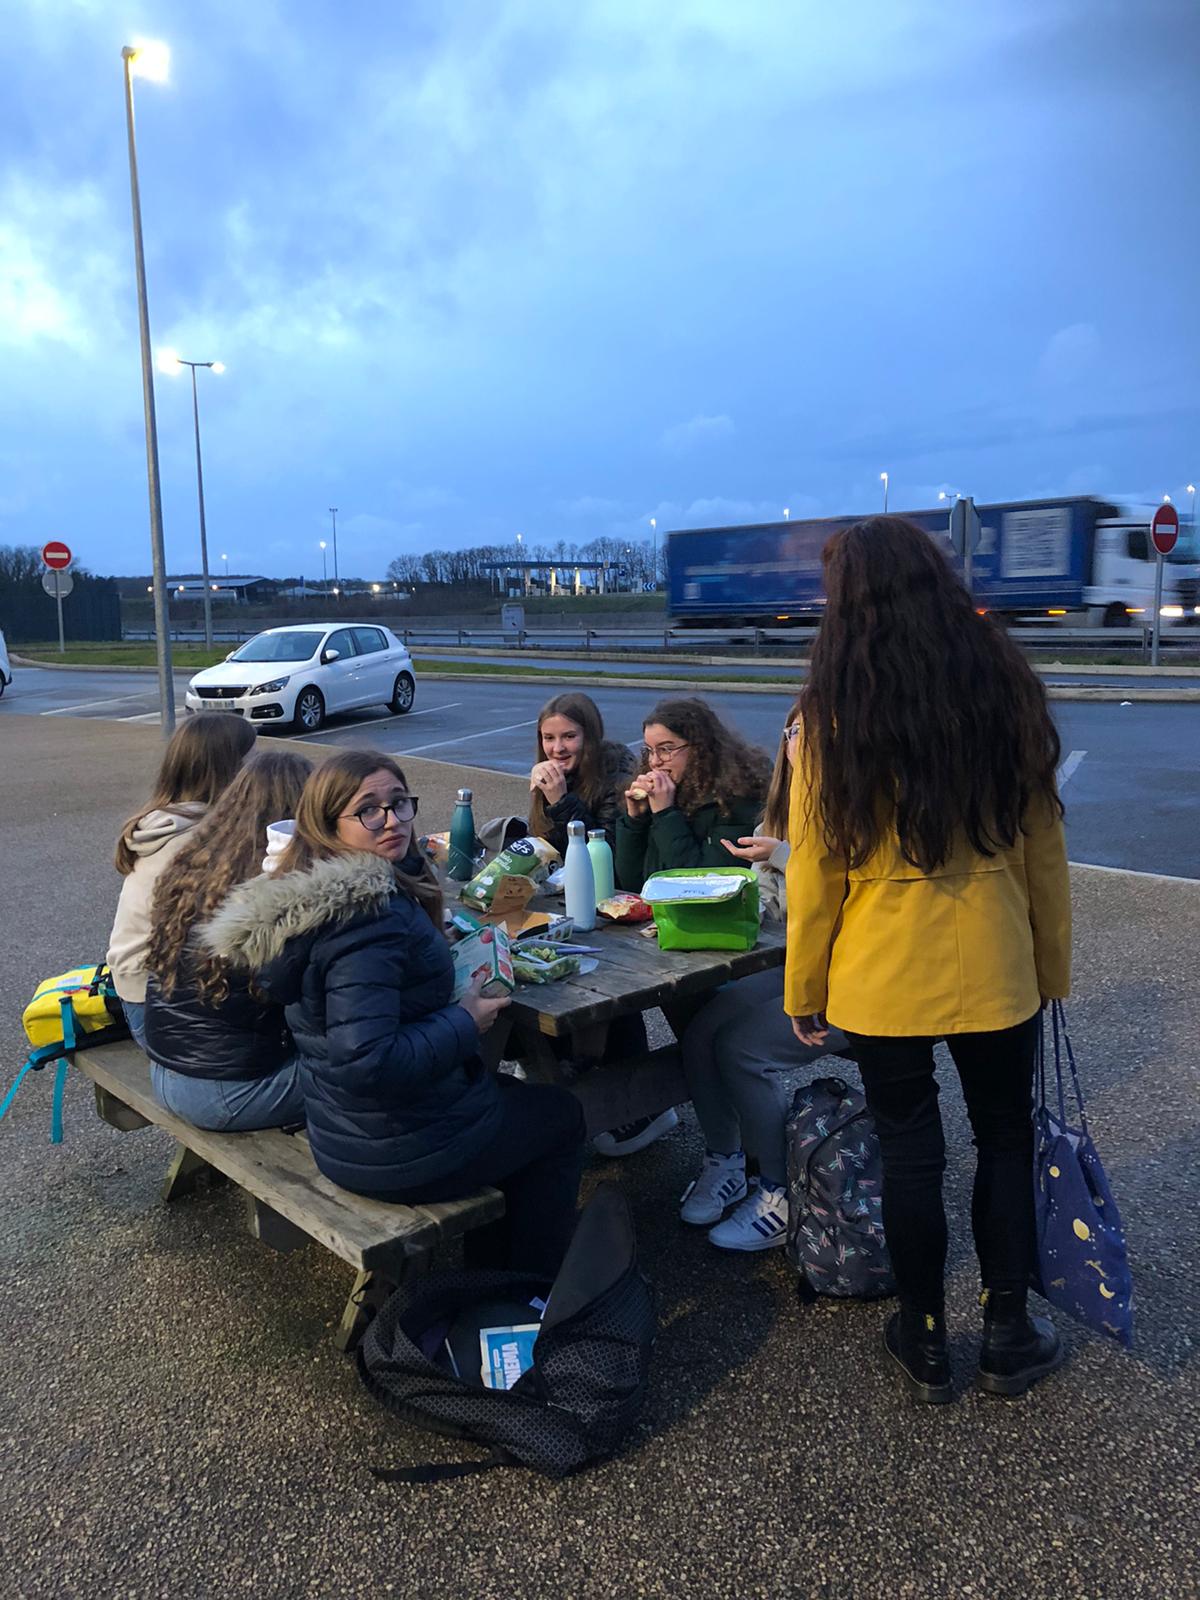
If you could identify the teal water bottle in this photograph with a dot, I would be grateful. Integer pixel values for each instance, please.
(602, 863)
(461, 854)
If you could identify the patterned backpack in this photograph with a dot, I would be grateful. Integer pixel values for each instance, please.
(835, 1224)
(591, 1359)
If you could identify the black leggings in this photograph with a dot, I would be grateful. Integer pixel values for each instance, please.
(996, 1070)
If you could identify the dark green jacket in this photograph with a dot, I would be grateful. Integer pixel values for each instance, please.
(657, 841)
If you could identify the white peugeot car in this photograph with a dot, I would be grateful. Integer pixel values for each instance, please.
(302, 673)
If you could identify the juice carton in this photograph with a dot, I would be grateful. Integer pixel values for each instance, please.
(483, 955)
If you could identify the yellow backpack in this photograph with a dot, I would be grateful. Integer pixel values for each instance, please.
(65, 1014)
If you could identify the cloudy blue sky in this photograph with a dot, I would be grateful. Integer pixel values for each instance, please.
(480, 267)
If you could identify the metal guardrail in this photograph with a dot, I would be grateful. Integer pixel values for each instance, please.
(700, 641)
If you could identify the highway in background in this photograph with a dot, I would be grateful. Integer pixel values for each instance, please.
(1132, 772)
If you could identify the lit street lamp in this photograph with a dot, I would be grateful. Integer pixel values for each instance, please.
(654, 549)
(1191, 489)
(150, 61)
(883, 478)
(787, 513)
(324, 572)
(333, 514)
(170, 362)
(225, 559)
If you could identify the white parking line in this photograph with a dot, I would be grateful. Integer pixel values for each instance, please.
(484, 733)
(87, 705)
(396, 716)
(146, 716)
(1069, 767)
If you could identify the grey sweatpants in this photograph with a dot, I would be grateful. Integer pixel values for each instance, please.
(735, 1050)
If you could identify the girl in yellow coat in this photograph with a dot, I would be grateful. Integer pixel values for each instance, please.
(928, 898)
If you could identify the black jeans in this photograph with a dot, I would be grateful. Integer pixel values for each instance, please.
(996, 1070)
(536, 1158)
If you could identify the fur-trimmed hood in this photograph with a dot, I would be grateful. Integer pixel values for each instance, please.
(259, 918)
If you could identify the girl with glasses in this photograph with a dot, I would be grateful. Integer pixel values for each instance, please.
(735, 1051)
(346, 934)
(930, 899)
(221, 1055)
(579, 775)
(699, 785)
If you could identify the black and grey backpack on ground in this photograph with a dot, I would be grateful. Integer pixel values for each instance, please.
(591, 1360)
(835, 1180)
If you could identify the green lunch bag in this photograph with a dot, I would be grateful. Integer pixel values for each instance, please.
(691, 914)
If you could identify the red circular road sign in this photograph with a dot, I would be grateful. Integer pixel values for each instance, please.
(58, 557)
(1164, 529)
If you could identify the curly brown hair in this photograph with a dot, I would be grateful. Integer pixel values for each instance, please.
(918, 712)
(221, 852)
(722, 766)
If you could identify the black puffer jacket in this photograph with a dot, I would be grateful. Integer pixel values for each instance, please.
(395, 1093)
(242, 1038)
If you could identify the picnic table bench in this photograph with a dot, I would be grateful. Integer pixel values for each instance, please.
(288, 1202)
(559, 1031)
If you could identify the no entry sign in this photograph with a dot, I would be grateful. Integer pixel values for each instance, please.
(1164, 529)
(57, 556)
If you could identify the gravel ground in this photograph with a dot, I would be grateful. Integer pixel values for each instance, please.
(174, 1419)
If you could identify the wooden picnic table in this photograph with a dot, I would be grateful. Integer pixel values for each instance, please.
(560, 1031)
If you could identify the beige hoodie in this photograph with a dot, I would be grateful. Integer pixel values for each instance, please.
(155, 840)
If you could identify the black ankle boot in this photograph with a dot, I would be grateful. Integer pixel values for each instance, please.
(1017, 1349)
(917, 1343)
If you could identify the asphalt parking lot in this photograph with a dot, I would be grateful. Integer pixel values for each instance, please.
(1131, 772)
(174, 1419)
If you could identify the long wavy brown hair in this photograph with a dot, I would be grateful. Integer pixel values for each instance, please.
(222, 851)
(326, 795)
(587, 781)
(199, 762)
(918, 712)
(722, 766)
(779, 791)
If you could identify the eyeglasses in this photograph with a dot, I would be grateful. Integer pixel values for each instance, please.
(662, 752)
(374, 816)
(792, 731)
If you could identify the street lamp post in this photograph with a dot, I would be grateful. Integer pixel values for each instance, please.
(324, 571)
(225, 559)
(787, 513)
(213, 366)
(150, 61)
(336, 579)
(654, 553)
(1191, 489)
(883, 478)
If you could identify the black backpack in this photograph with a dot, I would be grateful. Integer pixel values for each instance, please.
(591, 1363)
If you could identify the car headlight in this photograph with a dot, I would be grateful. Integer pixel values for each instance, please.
(269, 688)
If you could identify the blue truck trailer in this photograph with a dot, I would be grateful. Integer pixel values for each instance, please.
(1079, 557)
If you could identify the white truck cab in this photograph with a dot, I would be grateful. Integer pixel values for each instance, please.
(1123, 572)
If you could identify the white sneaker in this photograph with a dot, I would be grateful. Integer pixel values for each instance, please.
(628, 1139)
(759, 1223)
(721, 1183)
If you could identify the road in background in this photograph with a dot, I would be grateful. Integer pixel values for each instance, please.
(1132, 773)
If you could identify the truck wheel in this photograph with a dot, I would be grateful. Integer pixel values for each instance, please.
(1116, 615)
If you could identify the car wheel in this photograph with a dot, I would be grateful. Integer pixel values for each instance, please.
(1116, 616)
(310, 710)
(404, 692)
